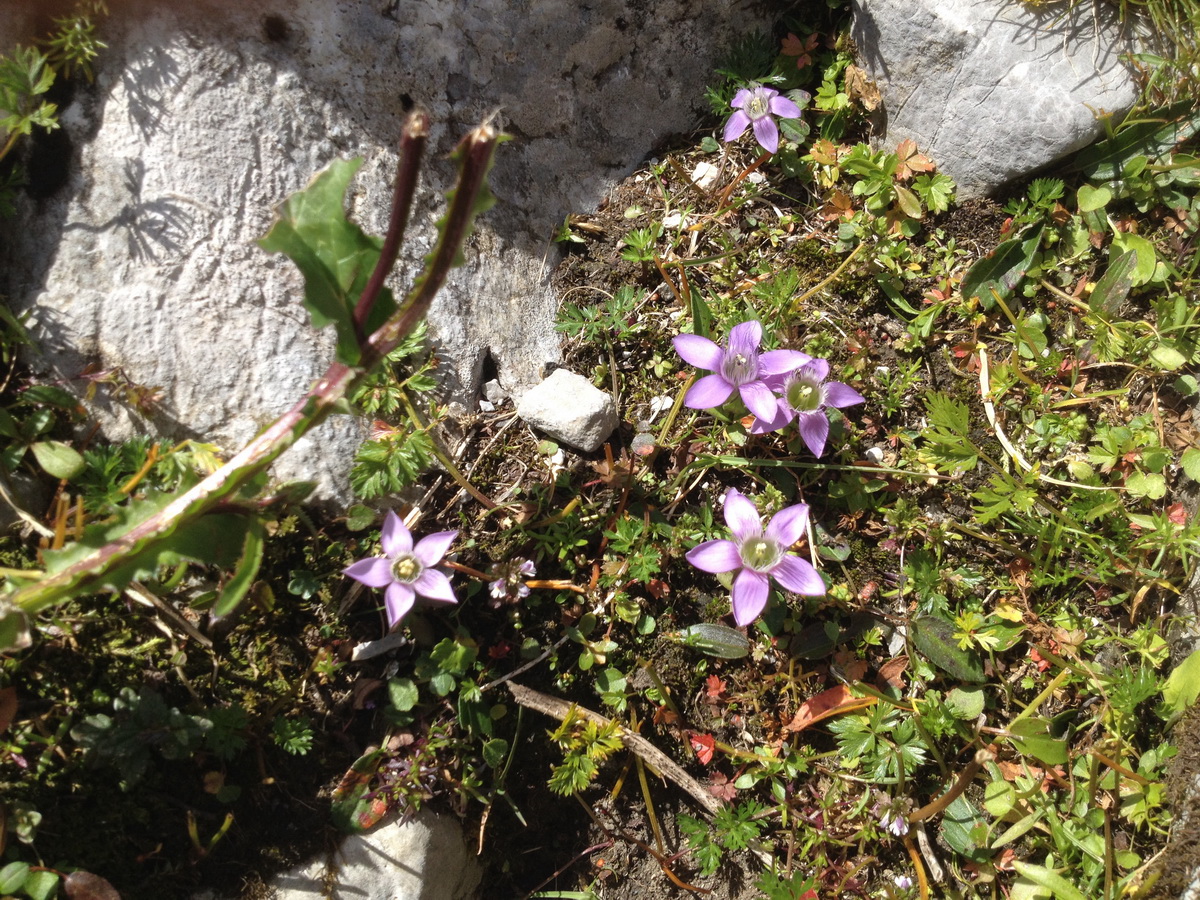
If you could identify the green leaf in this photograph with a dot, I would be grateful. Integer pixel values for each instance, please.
(934, 637)
(14, 627)
(1002, 270)
(966, 703)
(1190, 463)
(959, 822)
(1144, 484)
(494, 752)
(41, 885)
(235, 589)
(720, 641)
(999, 798)
(12, 877)
(1152, 138)
(1049, 879)
(1093, 198)
(1182, 686)
(350, 810)
(1112, 289)
(1146, 259)
(58, 459)
(402, 693)
(1032, 738)
(1167, 358)
(335, 256)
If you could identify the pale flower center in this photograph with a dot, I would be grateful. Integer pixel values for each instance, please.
(738, 369)
(759, 107)
(804, 396)
(406, 570)
(760, 553)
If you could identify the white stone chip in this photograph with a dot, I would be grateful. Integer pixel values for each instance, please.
(570, 409)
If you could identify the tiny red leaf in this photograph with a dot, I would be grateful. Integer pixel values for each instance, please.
(703, 744)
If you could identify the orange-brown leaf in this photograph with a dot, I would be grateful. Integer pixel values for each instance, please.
(833, 702)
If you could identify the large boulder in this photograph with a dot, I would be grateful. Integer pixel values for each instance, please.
(135, 252)
(991, 89)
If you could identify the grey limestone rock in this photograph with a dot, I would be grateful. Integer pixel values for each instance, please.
(139, 256)
(570, 409)
(990, 89)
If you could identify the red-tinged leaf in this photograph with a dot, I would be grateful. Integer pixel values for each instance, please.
(833, 702)
(8, 707)
(703, 744)
(657, 588)
(664, 715)
(1175, 513)
(86, 886)
(1011, 771)
(891, 672)
(911, 162)
(714, 687)
(792, 46)
(721, 787)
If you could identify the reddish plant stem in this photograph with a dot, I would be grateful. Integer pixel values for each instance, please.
(476, 151)
(412, 149)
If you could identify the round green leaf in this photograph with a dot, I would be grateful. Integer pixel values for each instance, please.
(58, 459)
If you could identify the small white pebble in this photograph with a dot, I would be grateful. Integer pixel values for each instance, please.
(875, 454)
(704, 175)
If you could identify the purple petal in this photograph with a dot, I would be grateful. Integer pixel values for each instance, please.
(741, 98)
(784, 108)
(399, 600)
(817, 369)
(375, 572)
(699, 351)
(434, 585)
(759, 399)
(766, 133)
(788, 525)
(749, 596)
(741, 516)
(431, 548)
(814, 429)
(798, 576)
(736, 126)
(744, 338)
(781, 362)
(780, 420)
(714, 556)
(839, 395)
(708, 393)
(395, 536)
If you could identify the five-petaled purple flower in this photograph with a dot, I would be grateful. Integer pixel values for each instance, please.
(739, 368)
(407, 572)
(804, 395)
(754, 107)
(758, 556)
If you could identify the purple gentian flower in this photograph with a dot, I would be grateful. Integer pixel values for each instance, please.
(740, 368)
(753, 107)
(758, 556)
(407, 572)
(894, 823)
(804, 395)
(511, 583)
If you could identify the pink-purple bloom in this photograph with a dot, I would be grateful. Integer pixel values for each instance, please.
(510, 585)
(406, 571)
(754, 107)
(804, 395)
(739, 368)
(758, 555)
